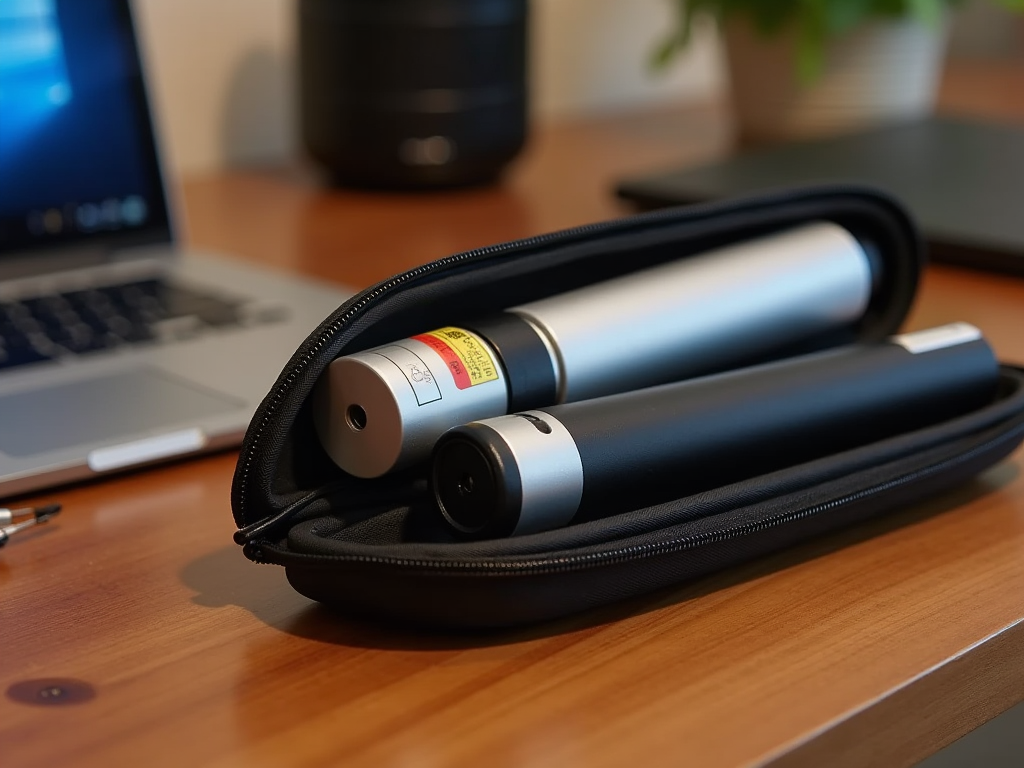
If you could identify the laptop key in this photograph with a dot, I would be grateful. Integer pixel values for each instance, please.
(18, 349)
(92, 319)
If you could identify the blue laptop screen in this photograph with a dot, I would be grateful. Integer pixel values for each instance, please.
(78, 163)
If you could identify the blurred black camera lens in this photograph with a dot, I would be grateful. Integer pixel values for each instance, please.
(407, 94)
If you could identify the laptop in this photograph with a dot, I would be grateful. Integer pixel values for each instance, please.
(962, 179)
(116, 349)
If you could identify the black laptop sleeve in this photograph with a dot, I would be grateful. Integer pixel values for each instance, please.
(378, 547)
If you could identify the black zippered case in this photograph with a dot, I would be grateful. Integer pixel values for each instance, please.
(377, 547)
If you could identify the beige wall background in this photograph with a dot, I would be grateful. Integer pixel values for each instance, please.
(222, 71)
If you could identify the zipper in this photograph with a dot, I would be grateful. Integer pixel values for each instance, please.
(266, 527)
(250, 448)
(256, 550)
(397, 493)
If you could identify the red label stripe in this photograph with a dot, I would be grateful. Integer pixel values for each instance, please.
(451, 359)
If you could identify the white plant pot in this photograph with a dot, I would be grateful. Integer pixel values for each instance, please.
(881, 72)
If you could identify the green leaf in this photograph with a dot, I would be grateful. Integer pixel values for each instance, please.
(663, 53)
(812, 34)
(928, 11)
(816, 22)
(842, 17)
(685, 12)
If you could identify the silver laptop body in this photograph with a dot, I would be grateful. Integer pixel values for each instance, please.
(116, 350)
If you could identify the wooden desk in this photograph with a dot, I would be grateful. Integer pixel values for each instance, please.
(873, 647)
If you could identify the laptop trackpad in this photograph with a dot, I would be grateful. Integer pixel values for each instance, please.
(94, 411)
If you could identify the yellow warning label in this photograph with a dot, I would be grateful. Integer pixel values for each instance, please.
(464, 353)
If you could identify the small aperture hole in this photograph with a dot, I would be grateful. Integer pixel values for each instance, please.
(356, 417)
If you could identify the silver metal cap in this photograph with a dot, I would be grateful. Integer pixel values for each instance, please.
(509, 475)
(383, 409)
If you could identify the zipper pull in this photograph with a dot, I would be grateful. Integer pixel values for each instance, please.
(357, 495)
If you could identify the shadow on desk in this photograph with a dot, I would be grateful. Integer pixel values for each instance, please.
(224, 577)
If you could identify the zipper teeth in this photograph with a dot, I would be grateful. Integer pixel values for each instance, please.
(693, 212)
(577, 562)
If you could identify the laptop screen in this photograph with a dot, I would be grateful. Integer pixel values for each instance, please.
(78, 162)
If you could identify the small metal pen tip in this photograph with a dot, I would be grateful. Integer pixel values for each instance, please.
(46, 511)
(26, 517)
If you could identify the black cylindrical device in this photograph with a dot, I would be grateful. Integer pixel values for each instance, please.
(542, 469)
(413, 94)
(384, 408)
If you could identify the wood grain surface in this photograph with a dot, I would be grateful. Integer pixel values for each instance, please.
(154, 642)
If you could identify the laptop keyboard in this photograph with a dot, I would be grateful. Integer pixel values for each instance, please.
(84, 321)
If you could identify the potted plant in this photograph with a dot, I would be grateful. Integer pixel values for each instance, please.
(801, 68)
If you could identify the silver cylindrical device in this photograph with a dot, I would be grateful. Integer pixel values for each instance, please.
(383, 409)
(699, 314)
(542, 469)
